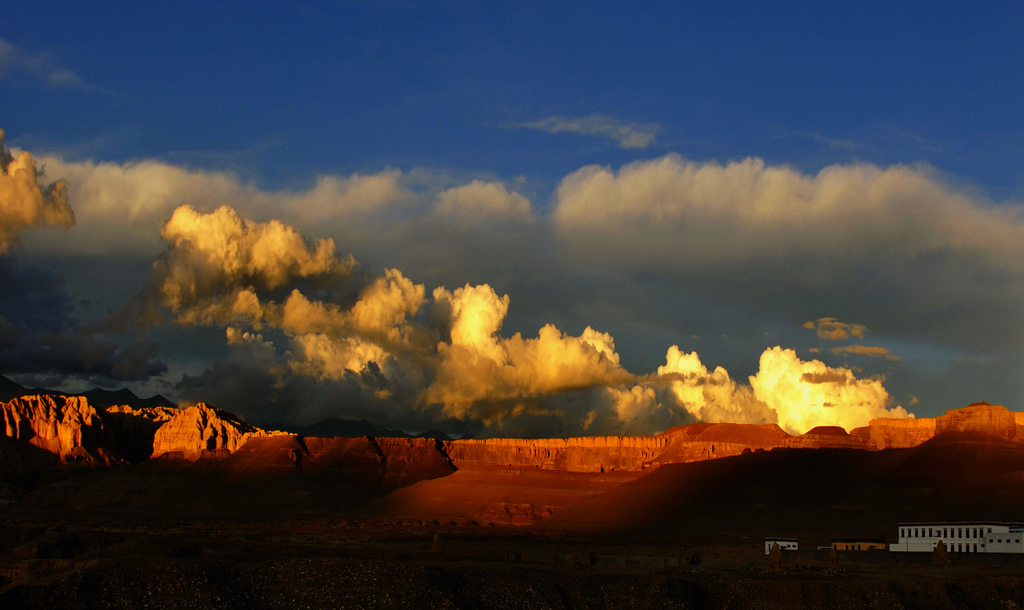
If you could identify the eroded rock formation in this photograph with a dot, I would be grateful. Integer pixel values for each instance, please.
(66, 426)
(202, 431)
(77, 433)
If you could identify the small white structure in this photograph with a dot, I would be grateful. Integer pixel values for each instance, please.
(785, 544)
(961, 537)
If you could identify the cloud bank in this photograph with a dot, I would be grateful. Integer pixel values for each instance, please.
(898, 250)
(712, 212)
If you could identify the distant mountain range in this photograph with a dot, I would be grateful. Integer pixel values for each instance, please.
(97, 397)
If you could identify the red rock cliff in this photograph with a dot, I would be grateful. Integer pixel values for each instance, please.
(885, 433)
(202, 431)
(66, 426)
(582, 454)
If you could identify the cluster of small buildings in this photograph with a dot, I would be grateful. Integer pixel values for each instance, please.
(957, 536)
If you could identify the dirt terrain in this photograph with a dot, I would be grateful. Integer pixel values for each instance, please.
(224, 514)
(90, 562)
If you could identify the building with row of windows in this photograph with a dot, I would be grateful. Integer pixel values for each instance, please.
(957, 536)
(961, 537)
(785, 544)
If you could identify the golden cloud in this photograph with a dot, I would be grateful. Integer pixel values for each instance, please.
(25, 202)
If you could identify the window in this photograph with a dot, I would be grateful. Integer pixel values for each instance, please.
(990, 530)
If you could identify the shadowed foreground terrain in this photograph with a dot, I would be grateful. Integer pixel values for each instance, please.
(158, 507)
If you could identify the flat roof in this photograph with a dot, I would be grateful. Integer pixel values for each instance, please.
(920, 523)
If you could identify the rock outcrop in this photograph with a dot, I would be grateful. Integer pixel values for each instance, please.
(707, 441)
(885, 433)
(826, 436)
(72, 429)
(67, 426)
(202, 431)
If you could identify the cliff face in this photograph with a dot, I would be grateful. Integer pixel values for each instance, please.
(202, 431)
(979, 417)
(884, 433)
(706, 441)
(77, 433)
(583, 454)
(66, 426)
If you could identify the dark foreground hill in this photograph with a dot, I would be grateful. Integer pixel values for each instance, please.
(818, 492)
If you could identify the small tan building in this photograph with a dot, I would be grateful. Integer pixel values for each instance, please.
(858, 544)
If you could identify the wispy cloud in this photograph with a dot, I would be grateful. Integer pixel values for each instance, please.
(826, 141)
(831, 329)
(40, 67)
(871, 351)
(627, 135)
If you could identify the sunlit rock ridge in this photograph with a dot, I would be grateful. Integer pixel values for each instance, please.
(77, 433)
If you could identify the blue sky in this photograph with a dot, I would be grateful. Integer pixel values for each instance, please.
(915, 108)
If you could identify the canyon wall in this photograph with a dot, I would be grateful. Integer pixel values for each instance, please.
(885, 433)
(202, 431)
(72, 429)
(582, 454)
(66, 426)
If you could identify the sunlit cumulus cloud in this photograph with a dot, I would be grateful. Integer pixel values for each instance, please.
(626, 135)
(478, 366)
(389, 347)
(808, 394)
(25, 201)
(796, 394)
(710, 396)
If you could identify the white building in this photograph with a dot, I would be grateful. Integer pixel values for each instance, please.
(785, 544)
(961, 537)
